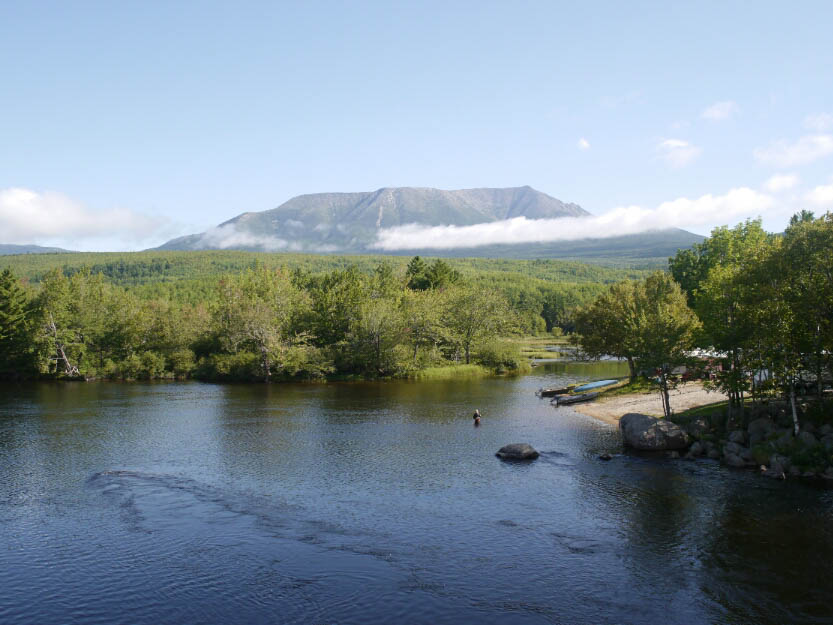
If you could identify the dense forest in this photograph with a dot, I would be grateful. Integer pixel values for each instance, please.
(250, 316)
(759, 307)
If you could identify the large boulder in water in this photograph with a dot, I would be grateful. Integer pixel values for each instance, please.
(517, 451)
(651, 434)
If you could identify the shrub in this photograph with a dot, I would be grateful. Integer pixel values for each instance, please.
(500, 356)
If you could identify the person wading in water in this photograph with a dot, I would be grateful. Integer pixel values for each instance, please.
(476, 417)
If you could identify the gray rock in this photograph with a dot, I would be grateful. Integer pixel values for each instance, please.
(826, 429)
(760, 429)
(649, 433)
(674, 455)
(517, 451)
(782, 460)
(713, 454)
(738, 436)
(698, 427)
(808, 427)
(709, 446)
(696, 449)
(807, 439)
(732, 448)
(794, 471)
(784, 441)
(734, 461)
(605, 457)
(746, 455)
(827, 441)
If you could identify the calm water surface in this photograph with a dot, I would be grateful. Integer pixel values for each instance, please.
(380, 503)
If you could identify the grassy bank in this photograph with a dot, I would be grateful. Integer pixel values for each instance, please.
(453, 372)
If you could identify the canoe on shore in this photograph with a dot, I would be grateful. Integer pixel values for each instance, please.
(565, 400)
(552, 392)
(594, 385)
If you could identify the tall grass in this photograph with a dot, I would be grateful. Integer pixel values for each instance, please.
(453, 372)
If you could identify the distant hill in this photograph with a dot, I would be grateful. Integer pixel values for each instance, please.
(349, 222)
(8, 249)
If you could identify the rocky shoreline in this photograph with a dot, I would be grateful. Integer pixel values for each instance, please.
(766, 443)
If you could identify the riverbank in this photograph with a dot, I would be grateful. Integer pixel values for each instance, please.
(611, 408)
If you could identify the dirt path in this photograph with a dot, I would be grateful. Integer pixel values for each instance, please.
(610, 409)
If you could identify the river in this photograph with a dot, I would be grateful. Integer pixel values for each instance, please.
(381, 503)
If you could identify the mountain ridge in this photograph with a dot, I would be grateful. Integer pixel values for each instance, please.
(348, 222)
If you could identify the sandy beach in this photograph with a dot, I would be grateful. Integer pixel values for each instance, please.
(685, 396)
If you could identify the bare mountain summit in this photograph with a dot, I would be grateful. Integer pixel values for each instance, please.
(348, 222)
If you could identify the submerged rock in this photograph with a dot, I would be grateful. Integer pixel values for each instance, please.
(651, 434)
(517, 451)
(605, 457)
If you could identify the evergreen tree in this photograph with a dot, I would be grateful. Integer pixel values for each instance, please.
(15, 329)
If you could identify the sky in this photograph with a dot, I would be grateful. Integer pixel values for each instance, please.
(124, 124)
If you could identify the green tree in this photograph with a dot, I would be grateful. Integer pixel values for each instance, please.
(608, 325)
(255, 312)
(724, 296)
(16, 357)
(60, 338)
(422, 319)
(665, 329)
(375, 336)
(474, 314)
(416, 274)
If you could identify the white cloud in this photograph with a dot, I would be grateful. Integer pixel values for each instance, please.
(28, 216)
(737, 204)
(781, 182)
(821, 196)
(806, 150)
(678, 153)
(229, 236)
(583, 144)
(720, 111)
(819, 122)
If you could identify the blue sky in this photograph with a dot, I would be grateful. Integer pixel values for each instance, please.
(123, 124)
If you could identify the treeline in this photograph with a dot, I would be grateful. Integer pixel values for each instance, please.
(131, 269)
(759, 304)
(267, 323)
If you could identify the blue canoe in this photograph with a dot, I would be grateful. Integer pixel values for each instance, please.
(592, 385)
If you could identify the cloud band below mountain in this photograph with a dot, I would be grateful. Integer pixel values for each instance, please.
(680, 213)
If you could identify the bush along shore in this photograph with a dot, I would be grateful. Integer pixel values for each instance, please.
(763, 438)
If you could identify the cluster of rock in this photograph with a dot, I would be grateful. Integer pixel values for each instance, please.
(761, 445)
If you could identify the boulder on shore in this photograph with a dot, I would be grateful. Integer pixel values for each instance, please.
(517, 451)
(651, 434)
(760, 429)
